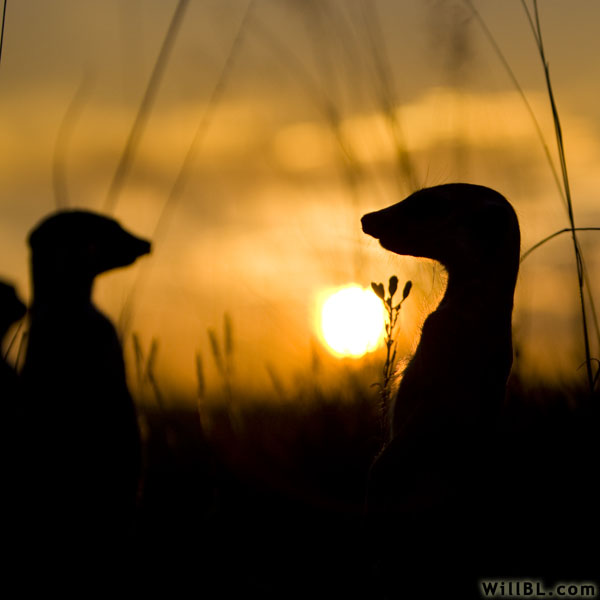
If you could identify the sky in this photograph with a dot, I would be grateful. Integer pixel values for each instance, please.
(295, 111)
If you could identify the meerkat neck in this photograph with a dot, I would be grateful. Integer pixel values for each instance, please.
(491, 287)
(66, 292)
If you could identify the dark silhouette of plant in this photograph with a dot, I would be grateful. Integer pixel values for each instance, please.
(2, 29)
(223, 359)
(145, 368)
(583, 285)
(393, 311)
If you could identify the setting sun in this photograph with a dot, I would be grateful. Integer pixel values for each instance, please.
(351, 321)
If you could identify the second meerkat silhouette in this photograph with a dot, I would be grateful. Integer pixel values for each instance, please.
(450, 395)
(12, 309)
(88, 455)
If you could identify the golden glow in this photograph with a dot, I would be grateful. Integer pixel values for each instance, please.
(304, 146)
(351, 321)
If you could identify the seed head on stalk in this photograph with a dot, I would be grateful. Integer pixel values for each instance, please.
(393, 311)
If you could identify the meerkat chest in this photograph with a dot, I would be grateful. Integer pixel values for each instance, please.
(457, 374)
(74, 354)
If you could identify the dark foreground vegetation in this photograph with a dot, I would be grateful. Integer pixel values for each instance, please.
(265, 503)
(268, 501)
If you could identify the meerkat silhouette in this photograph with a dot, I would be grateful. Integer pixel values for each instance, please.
(423, 484)
(12, 310)
(87, 438)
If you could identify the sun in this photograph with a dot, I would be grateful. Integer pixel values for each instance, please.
(351, 321)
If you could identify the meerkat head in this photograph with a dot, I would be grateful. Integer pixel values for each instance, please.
(456, 224)
(77, 243)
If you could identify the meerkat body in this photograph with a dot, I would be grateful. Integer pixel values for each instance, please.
(11, 310)
(87, 437)
(426, 485)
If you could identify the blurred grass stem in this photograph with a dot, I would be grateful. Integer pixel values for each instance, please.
(145, 108)
(69, 120)
(188, 162)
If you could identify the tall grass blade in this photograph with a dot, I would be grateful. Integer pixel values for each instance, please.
(139, 358)
(145, 107)
(216, 95)
(190, 157)
(552, 236)
(21, 351)
(228, 336)
(216, 351)
(13, 339)
(2, 29)
(537, 32)
(275, 380)
(492, 40)
(59, 176)
(201, 383)
(150, 363)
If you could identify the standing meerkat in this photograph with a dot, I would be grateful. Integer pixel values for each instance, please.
(424, 485)
(87, 440)
(459, 371)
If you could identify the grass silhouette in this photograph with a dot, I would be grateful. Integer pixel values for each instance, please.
(2, 29)
(579, 261)
(390, 364)
(561, 180)
(277, 496)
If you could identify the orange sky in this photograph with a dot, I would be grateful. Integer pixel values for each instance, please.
(268, 218)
